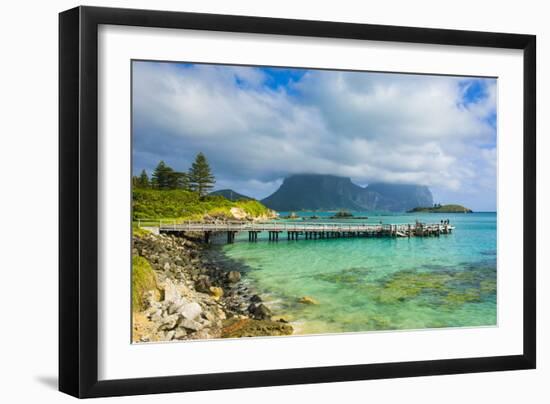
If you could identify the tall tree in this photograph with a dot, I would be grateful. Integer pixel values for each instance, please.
(163, 177)
(181, 180)
(143, 180)
(200, 175)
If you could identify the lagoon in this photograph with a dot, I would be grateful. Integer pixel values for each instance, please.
(369, 284)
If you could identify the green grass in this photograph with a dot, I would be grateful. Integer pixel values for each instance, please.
(139, 231)
(179, 204)
(252, 207)
(143, 280)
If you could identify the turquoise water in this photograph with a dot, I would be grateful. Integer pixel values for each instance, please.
(364, 284)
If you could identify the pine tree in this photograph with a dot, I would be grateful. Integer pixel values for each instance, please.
(200, 175)
(143, 180)
(163, 177)
(181, 181)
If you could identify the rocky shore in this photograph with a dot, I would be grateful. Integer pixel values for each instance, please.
(195, 297)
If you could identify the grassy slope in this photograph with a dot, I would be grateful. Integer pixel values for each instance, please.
(185, 205)
(143, 280)
(443, 209)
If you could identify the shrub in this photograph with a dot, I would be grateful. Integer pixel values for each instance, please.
(186, 205)
(144, 279)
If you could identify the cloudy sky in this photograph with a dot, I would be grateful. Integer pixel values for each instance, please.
(258, 125)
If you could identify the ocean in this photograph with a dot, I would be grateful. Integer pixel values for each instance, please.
(370, 284)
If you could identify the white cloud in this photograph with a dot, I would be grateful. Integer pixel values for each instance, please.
(371, 127)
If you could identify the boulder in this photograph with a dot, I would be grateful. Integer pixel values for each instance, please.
(190, 311)
(221, 314)
(216, 292)
(169, 322)
(171, 293)
(156, 316)
(233, 276)
(152, 304)
(180, 333)
(263, 312)
(307, 300)
(203, 284)
(256, 299)
(238, 213)
(176, 306)
(260, 311)
(189, 324)
(210, 316)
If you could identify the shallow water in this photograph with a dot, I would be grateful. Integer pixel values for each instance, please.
(364, 284)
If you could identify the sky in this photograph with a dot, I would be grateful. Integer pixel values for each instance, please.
(258, 125)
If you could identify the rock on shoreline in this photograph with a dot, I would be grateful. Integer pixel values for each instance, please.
(199, 299)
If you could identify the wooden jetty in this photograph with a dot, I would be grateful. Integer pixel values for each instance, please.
(306, 231)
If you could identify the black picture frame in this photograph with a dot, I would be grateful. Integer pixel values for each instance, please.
(78, 201)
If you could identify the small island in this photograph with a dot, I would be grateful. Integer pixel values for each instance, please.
(342, 214)
(438, 208)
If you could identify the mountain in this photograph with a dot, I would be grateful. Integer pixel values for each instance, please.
(330, 192)
(230, 194)
(311, 192)
(400, 197)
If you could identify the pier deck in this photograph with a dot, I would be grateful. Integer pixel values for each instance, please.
(308, 231)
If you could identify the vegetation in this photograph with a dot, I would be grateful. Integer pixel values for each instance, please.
(247, 327)
(201, 179)
(441, 289)
(139, 231)
(142, 181)
(143, 280)
(438, 208)
(164, 177)
(170, 194)
(292, 215)
(342, 214)
(187, 205)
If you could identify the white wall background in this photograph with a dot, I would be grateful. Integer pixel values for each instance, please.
(28, 164)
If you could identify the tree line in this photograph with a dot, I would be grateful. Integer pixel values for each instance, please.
(198, 178)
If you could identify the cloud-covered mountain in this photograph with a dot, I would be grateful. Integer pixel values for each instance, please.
(329, 192)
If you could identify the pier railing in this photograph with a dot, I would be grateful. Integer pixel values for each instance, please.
(175, 226)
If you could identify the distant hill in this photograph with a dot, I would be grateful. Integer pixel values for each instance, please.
(330, 192)
(231, 195)
(441, 209)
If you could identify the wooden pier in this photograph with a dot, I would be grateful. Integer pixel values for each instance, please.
(305, 231)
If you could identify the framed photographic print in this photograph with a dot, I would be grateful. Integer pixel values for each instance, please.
(250, 201)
